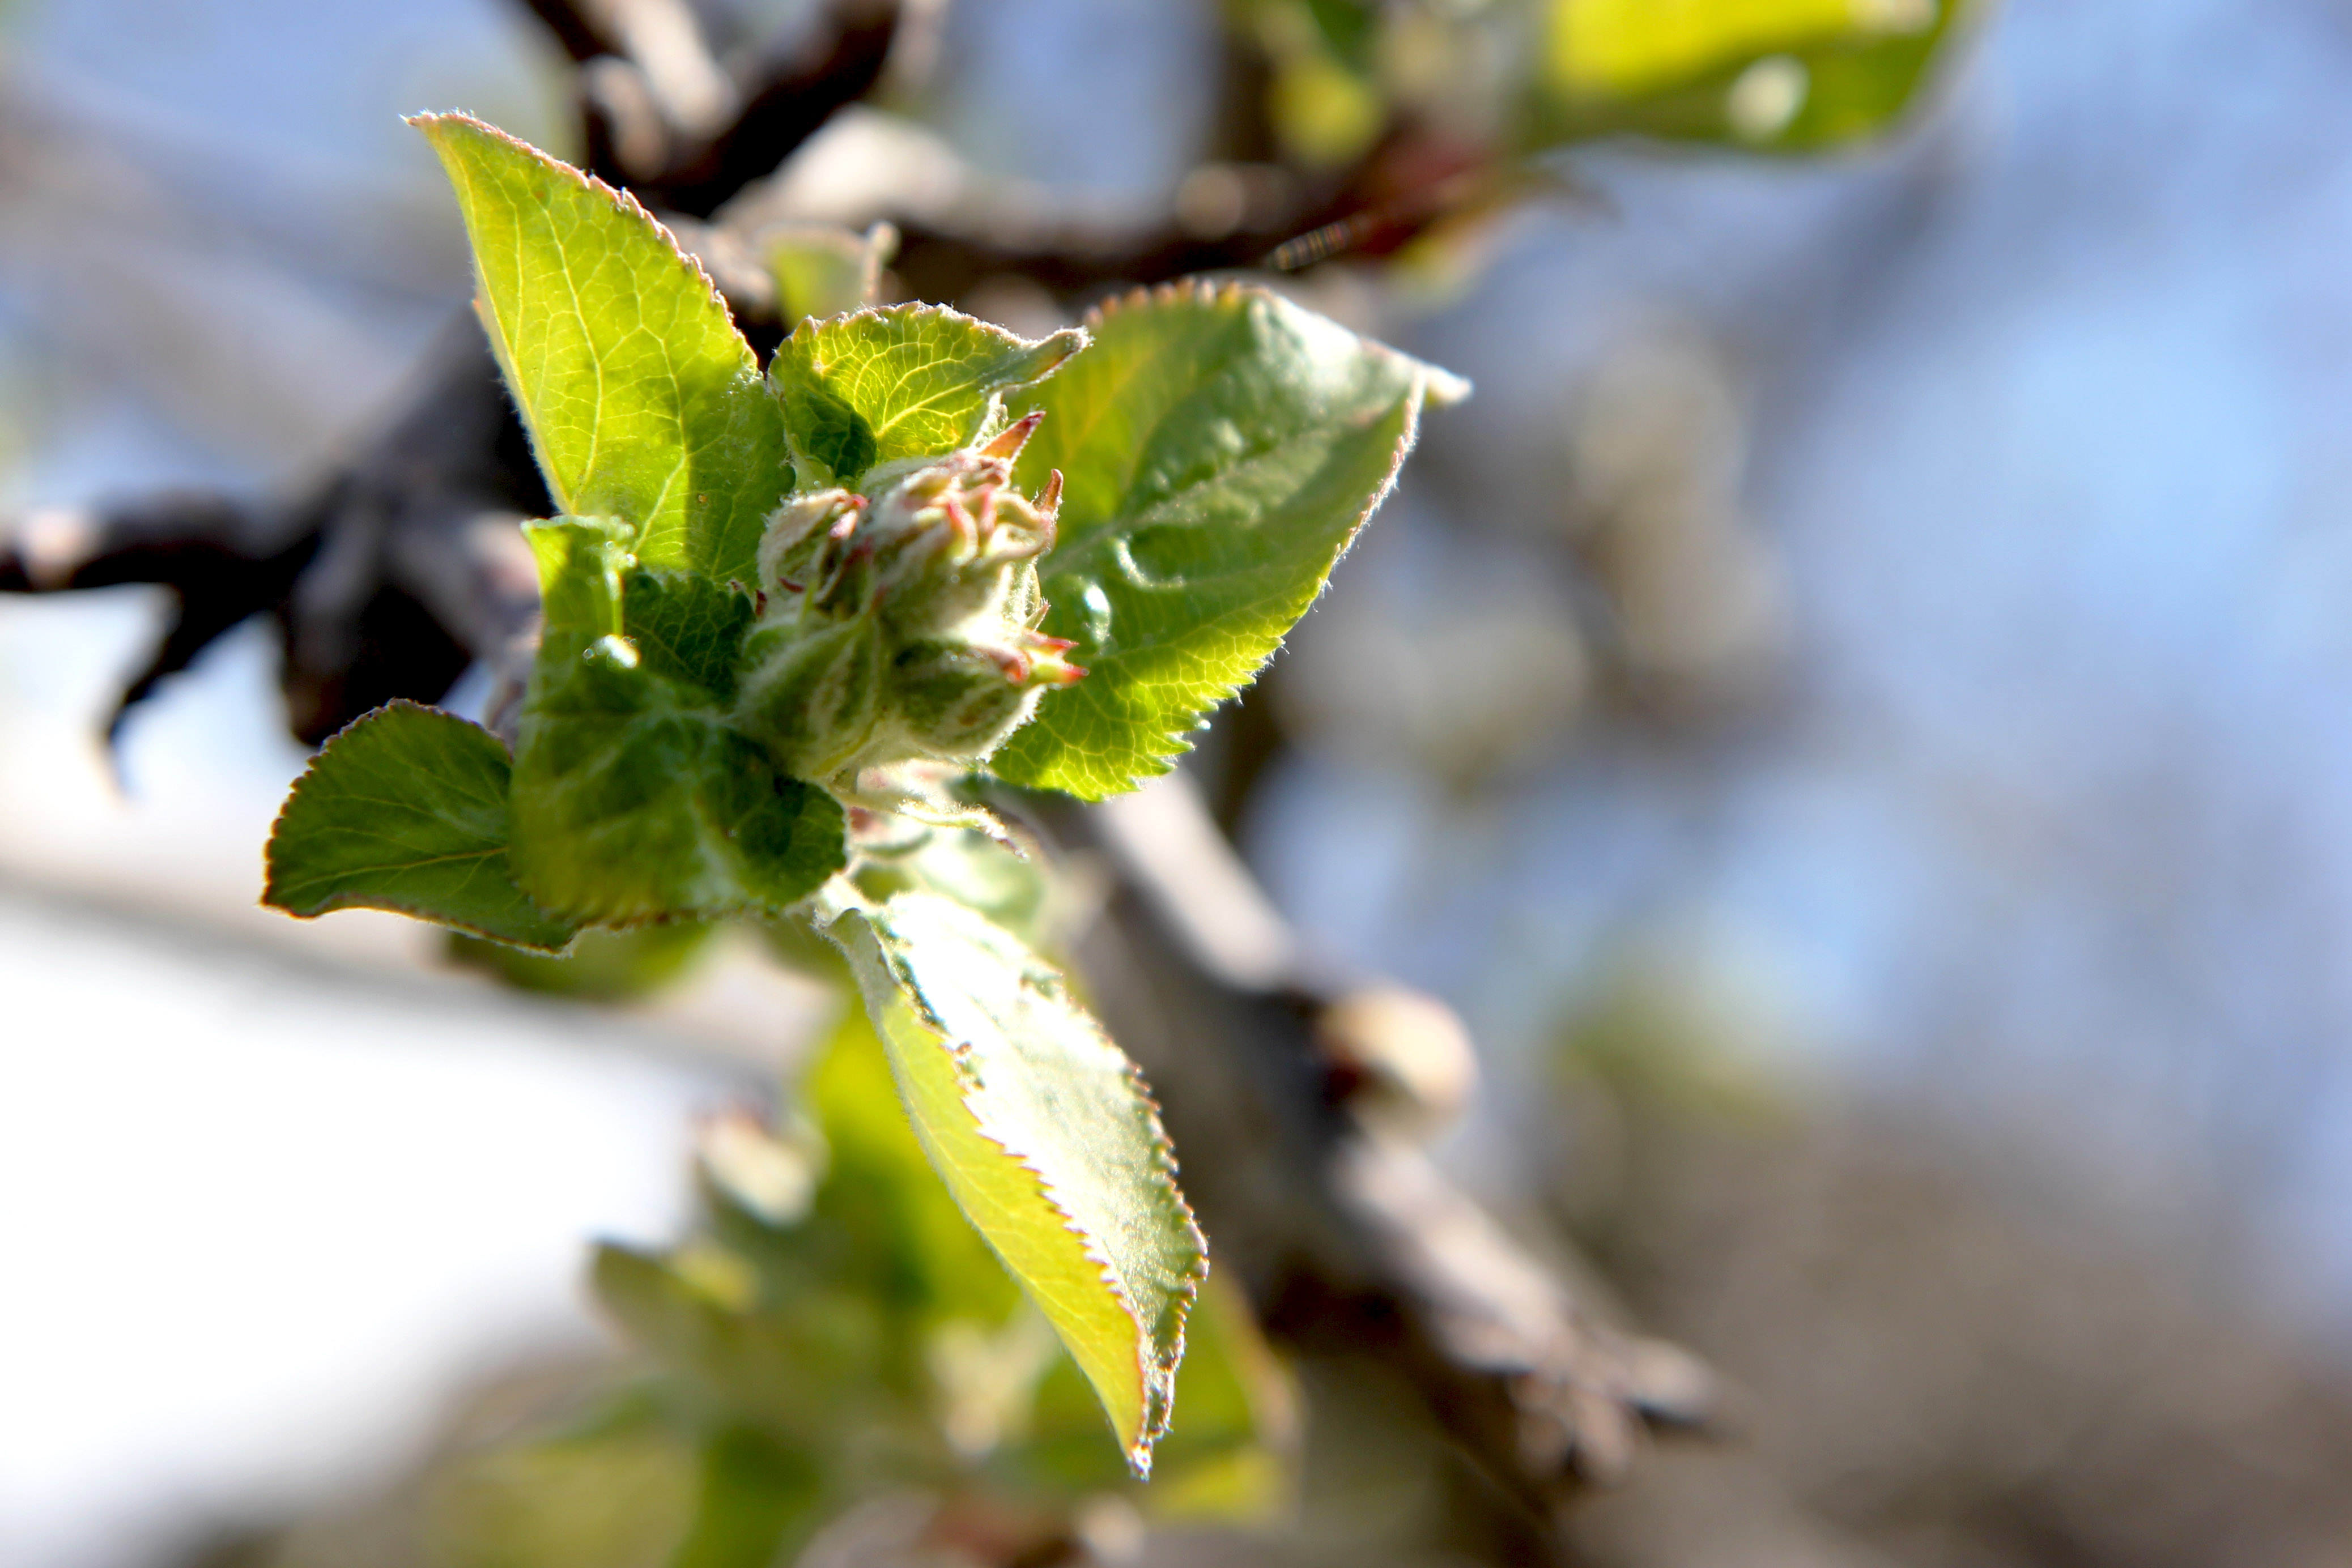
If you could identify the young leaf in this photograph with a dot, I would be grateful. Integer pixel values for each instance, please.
(635, 799)
(580, 561)
(1046, 1137)
(823, 270)
(643, 400)
(1220, 448)
(407, 811)
(912, 381)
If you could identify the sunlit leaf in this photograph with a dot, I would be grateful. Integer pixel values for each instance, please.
(911, 381)
(407, 811)
(1785, 74)
(1220, 447)
(643, 400)
(979, 872)
(1044, 1132)
(823, 270)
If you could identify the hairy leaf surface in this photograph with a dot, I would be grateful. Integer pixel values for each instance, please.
(1042, 1130)
(635, 799)
(643, 400)
(1220, 447)
(910, 381)
(407, 811)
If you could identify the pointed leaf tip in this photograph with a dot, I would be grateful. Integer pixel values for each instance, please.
(1222, 448)
(1045, 1135)
(641, 400)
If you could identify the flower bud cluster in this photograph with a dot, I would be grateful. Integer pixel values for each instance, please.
(901, 622)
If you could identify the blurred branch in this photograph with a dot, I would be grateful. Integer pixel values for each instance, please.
(1358, 1252)
(400, 567)
(386, 579)
(666, 121)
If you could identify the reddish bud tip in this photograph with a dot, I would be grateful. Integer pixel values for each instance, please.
(1049, 499)
(1016, 435)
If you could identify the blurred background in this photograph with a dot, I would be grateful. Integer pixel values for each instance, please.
(1855, 714)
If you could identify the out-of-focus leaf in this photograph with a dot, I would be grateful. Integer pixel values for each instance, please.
(910, 381)
(601, 965)
(643, 400)
(1044, 1132)
(1785, 74)
(1220, 449)
(1325, 98)
(823, 270)
(619, 1494)
(757, 1495)
(407, 811)
(972, 868)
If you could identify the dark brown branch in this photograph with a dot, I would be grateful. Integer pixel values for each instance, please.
(657, 150)
(796, 98)
(581, 36)
(385, 580)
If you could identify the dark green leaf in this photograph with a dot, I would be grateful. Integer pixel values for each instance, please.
(635, 799)
(687, 629)
(407, 811)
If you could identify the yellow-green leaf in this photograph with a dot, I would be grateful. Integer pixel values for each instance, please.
(1783, 74)
(643, 400)
(906, 382)
(1045, 1135)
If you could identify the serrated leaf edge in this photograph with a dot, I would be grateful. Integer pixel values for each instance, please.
(339, 902)
(622, 201)
(1438, 385)
(1156, 1370)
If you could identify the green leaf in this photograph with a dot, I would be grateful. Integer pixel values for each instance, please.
(601, 966)
(643, 400)
(823, 270)
(635, 799)
(687, 629)
(407, 811)
(1790, 74)
(1220, 447)
(912, 381)
(1045, 1134)
(580, 561)
(980, 872)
